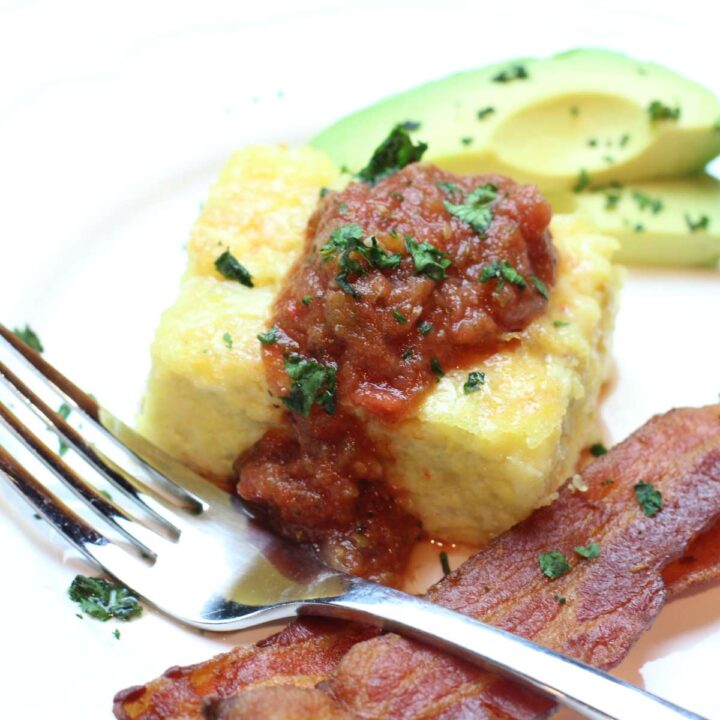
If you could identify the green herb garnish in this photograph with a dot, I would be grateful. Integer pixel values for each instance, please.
(660, 111)
(474, 382)
(409, 352)
(269, 337)
(445, 563)
(393, 154)
(399, 316)
(228, 266)
(559, 599)
(484, 112)
(645, 202)
(649, 498)
(476, 211)
(324, 191)
(313, 383)
(502, 270)
(598, 449)
(411, 125)
(583, 181)
(560, 323)
(436, 367)
(554, 564)
(540, 286)
(103, 600)
(514, 72)
(307, 299)
(116, 634)
(428, 259)
(425, 327)
(466, 140)
(449, 187)
(29, 337)
(227, 339)
(589, 552)
(700, 224)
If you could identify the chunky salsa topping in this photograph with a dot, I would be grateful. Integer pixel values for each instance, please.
(411, 275)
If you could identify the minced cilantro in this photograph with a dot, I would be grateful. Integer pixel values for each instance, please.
(428, 259)
(399, 316)
(466, 140)
(589, 552)
(29, 337)
(554, 564)
(307, 299)
(502, 270)
(229, 266)
(485, 112)
(436, 367)
(598, 449)
(425, 327)
(445, 563)
(476, 211)
(649, 498)
(104, 600)
(540, 286)
(393, 154)
(313, 383)
(700, 224)
(408, 353)
(658, 110)
(583, 181)
(560, 323)
(269, 337)
(227, 339)
(411, 125)
(474, 382)
(514, 72)
(559, 599)
(645, 202)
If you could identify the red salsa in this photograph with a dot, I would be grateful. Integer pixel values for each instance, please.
(400, 281)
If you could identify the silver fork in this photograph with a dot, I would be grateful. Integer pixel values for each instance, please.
(190, 550)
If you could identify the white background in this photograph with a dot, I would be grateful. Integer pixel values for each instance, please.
(114, 119)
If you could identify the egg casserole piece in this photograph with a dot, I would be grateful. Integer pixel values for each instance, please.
(468, 466)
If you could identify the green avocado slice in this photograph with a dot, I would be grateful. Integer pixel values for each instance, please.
(551, 121)
(673, 222)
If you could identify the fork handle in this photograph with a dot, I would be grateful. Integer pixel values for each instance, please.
(589, 691)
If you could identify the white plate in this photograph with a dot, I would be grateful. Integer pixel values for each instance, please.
(113, 122)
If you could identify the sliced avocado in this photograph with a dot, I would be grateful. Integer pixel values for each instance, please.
(549, 121)
(662, 222)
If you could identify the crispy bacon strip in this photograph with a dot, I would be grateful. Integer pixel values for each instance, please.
(609, 601)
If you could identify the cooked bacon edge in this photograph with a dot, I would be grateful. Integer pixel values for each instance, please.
(609, 601)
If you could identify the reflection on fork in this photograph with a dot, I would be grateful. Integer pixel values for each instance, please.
(192, 551)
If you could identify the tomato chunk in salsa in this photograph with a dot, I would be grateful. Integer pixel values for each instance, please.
(399, 282)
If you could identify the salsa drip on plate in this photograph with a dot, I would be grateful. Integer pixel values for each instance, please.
(402, 279)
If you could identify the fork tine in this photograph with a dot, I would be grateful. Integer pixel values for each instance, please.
(91, 543)
(92, 411)
(158, 513)
(107, 509)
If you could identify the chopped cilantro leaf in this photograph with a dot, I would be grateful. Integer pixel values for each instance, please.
(428, 259)
(606, 482)
(449, 187)
(574, 110)
(424, 328)
(658, 110)
(474, 382)
(380, 258)
(103, 600)
(645, 202)
(649, 498)
(559, 599)
(514, 72)
(598, 449)
(29, 337)
(554, 564)
(589, 552)
(399, 316)
(397, 196)
(466, 140)
(393, 154)
(436, 367)
(484, 112)
(227, 339)
(411, 125)
(502, 270)
(624, 140)
(445, 563)
(700, 224)
(228, 266)
(324, 191)
(307, 299)
(313, 383)
(583, 181)
(476, 211)
(269, 337)
(560, 323)
(342, 282)
(409, 352)
(540, 286)
(116, 634)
